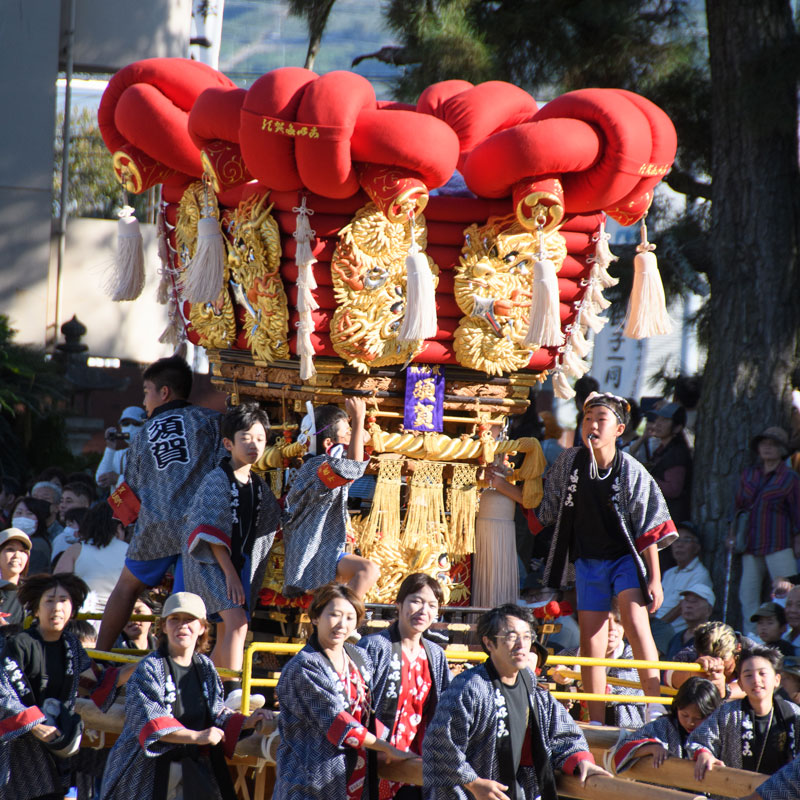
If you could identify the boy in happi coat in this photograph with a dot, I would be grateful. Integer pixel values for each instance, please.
(495, 731)
(611, 520)
(760, 732)
(229, 531)
(315, 523)
(177, 447)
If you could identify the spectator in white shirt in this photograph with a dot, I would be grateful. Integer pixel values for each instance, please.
(688, 573)
(111, 470)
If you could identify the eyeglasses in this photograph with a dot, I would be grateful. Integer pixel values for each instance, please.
(512, 637)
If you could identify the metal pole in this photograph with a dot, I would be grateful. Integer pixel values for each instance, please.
(65, 143)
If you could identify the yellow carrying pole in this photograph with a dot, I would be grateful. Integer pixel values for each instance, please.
(585, 661)
(612, 698)
(568, 673)
(121, 658)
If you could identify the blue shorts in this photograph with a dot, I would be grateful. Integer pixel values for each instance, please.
(598, 580)
(152, 571)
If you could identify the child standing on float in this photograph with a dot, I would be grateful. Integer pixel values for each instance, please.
(610, 520)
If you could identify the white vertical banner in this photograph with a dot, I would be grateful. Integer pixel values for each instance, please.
(206, 31)
(619, 363)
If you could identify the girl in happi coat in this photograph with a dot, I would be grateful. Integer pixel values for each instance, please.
(624, 715)
(329, 737)
(177, 729)
(410, 672)
(666, 735)
(42, 668)
(760, 732)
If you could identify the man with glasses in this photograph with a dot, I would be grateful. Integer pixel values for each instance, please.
(495, 734)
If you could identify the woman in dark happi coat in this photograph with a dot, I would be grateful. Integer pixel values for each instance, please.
(329, 736)
(42, 668)
(410, 672)
(177, 729)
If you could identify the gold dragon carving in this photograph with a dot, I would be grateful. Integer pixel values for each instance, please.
(254, 259)
(215, 323)
(369, 280)
(492, 286)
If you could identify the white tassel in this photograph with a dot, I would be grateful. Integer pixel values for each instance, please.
(579, 343)
(419, 320)
(602, 252)
(595, 293)
(591, 320)
(601, 276)
(172, 333)
(306, 283)
(647, 309)
(127, 280)
(203, 278)
(561, 388)
(544, 319)
(573, 364)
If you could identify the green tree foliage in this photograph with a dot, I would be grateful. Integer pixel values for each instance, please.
(32, 395)
(93, 187)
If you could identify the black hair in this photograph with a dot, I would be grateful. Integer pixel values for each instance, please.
(99, 527)
(33, 587)
(416, 581)
(584, 387)
(774, 657)
(172, 372)
(82, 628)
(49, 473)
(242, 418)
(84, 480)
(75, 515)
(491, 622)
(698, 691)
(80, 488)
(40, 508)
(326, 420)
(635, 414)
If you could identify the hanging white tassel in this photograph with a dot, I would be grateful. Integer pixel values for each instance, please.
(573, 364)
(202, 280)
(165, 284)
(127, 279)
(561, 388)
(172, 333)
(544, 318)
(603, 256)
(595, 296)
(419, 319)
(601, 276)
(647, 309)
(306, 283)
(579, 343)
(592, 320)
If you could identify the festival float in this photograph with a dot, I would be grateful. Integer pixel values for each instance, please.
(438, 259)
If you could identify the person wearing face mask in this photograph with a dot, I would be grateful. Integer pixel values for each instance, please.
(73, 519)
(29, 515)
(15, 551)
(111, 468)
(410, 672)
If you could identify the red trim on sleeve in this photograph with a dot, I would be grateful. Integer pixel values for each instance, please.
(329, 476)
(626, 749)
(105, 687)
(533, 521)
(20, 720)
(572, 761)
(340, 726)
(155, 725)
(655, 535)
(233, 727)
(699, 750)
(209, 530)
